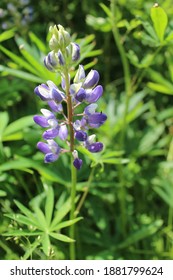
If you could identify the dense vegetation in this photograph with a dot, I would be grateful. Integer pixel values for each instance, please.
(124, 193)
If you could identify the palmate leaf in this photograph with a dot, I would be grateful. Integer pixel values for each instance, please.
(27, 212)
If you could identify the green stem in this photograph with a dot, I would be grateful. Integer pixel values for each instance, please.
(82, 200)
(126, 69)
(72, 212)
(73, 169)
(128, 93)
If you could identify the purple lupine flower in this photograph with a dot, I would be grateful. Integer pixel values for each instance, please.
(91, 79)
(41, 120)
(95, 147)
(77, 163)
(55, 107)
(63, 132)
(81, 135)
(93, 95)
(96, 120)
(80, 95)
(49, 92)
(83, 90)
(50, 149)
(93, 119)
(80, 74)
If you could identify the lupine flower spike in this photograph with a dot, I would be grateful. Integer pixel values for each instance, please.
(84, 89)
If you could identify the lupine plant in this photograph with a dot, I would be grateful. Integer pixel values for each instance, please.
(63, 120)
(128, 213)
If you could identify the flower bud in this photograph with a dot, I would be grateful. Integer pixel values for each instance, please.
(64, 37)
(75, 51)
(54, 43)
(61, 59)
(77, 163)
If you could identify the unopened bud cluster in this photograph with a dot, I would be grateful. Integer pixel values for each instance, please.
(84, 89)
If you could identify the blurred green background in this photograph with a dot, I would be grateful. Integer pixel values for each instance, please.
(128, 211)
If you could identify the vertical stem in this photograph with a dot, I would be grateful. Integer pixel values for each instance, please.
(73, 169)
(72, 212)
(126, 68)
(128, 92)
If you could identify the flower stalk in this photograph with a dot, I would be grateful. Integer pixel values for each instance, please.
(74, 127)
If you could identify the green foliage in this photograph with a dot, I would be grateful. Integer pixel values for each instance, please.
(42, 225)
(125, 193)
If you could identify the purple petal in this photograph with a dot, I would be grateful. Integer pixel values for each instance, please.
(43, 147)
(90, 109)
(63, 132)
(91, 79)
(63, 84)
(50, 157)
(81, 135)
(37, 92)
(61, 58)
(96, 120)
(54, 147)
(51, 59)
(77, 125)
(80, 95)
(48, 114)
(44, 92)
(57, 95)
(77, 163)
(95, 94)
(80, 74)
(40, 120)
(55, 107)
(75, 51)
(95, 147)
(51, 133)
(84, 123)
(47, 64)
